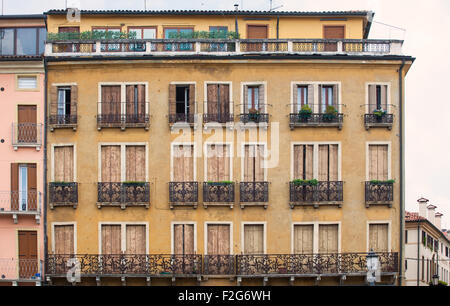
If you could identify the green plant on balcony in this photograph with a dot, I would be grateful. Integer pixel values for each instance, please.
(330, 113)
(379, 113)
(254, 115)
(204, 35)
(300, 182)
(62, 183)
(380, 182)
(304, 113)
(220, 183)
(90, 35)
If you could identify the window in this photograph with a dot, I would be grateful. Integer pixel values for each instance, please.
(63, 164)
(315, 238)
(183, 239)
(23, 187)
(254, 239)
(218, 166)
(123, 163)
(135, 242)
(27, 82)
(179, 33)
(218, 29)
(219, 237)
(303, 162)
(406, 264)
(303, 238)
(183, 163)
(22, 41)
(379, 237)
(141, 33)
(303, 95)
(107, 31)
(253, 99)
(254, 169)
(406, 236)
(328, 97)
(328, 238)
(64, 236)
(218, 103)
(423, 268)
(424, 238)
(378, 96)
(378, 162)
(181, 103)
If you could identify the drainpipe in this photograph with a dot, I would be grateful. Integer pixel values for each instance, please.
(418, 252)
(278, 27)
(45, 167)
(402, 169)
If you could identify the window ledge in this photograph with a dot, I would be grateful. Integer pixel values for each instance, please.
(316, 204)
(122, 205)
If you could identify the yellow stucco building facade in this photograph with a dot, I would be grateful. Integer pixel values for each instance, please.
(270, 159)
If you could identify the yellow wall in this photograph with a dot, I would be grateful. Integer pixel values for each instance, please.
(289, 27)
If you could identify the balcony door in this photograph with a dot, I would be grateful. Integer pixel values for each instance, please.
(23, 187)
(136, 239)
(328, 238)
(135, 103)
(69, 47)
(303, 162)
(303, 238)
(218, 163)
(28, 254)
(327, 97)
(378, 162)
(256, 32)
(63, 163)
(253, 239)
(64, 104)
(27, 128)
(218, 100)
(181, 103)
(378, 237)
(183, 239)
(252, 98)
(328, 162)
(183, 163)
(377, 97)
(64, 239)
(254, 163)
(111, 104)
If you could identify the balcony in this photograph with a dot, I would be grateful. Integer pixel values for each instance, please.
(384, 121)
(17, 203)
(125, 265)
(27, 135)
(255, 118)
(220, 47)
(14, 271)
(218, 194)
(63, 194)
(219, 265)
(123, 194)
(123, 115)
(183, 194)
(379, 193)
(324, 193)
(316, 120)
(182, 113)
(254, 194)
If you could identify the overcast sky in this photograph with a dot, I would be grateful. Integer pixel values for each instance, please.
(427, 113)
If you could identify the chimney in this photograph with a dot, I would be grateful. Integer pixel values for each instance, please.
(422, 207)
(236, 7)
(431, 213)
(437, 220)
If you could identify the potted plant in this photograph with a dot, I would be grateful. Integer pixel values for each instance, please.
(300, 182)
(304, 113)
(379, 113)
(133, 183)
(330, 113)
(220, 183)
(380, 182)
(253, 114)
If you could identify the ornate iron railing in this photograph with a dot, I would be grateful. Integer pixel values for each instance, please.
(379, 193)
(124, 264)
(324, 191)
(131, 193)
(118, 114)
(62, 119)
(256, 118)
(296, 119)
(63, 193)
(218, 192)
(20, 201)
(20, 269)
(219, 265)
(27, 134)
(181, 111)
(254, 192)
(183, 192)
(373, 119)
(217, 112)
(300, 264)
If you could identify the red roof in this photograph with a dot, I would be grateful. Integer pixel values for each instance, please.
(413, 216)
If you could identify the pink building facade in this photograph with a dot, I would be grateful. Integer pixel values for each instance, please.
(22, 80)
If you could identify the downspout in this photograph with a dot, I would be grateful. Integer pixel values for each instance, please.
(45, 160)
(418, 252)
(402, 170)
(236, 28)
(278, 27)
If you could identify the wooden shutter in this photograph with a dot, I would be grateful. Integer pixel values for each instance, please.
(303, 239)
(333, 32)
(224, 98)
(328, 162)
(384, 97)
(218, 239)
(245, 106)
(328, 238)
(183, 239)
(135, 163)
(63, 164)
(111, 102)
(14, 186)
(64, 239)
(218, 163)
(136, 239)
(213, 98)
(261, 105)
(27, 115)
(183, 163)
(172, 99)
(254, 163)
(32, 186)
(28, 265)
(311, 96)
(259, 163)
(254, 239)
(378, 237)
(73, 99)
(378, 162)
(111, 239)
(303, 162)
(256, 31)
(111, 164)
(192, 99)
(53, 100)
(372, 98)
(249, 151)
(335, 97)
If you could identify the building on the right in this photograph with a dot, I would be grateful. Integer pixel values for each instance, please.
(427, 247)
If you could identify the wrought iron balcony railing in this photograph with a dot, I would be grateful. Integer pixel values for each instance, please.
(90, 265)
(219, 265)
(215, 111)
(379, 193)
(325, 192)
(183, 193)
(217, 192)
(301, 264)
(253, 192)
(372, 120)
(20, 202)
(27, 135)
(62, 121)
(16, 269)
(220, 47)
(123, 114)
(316, 120)
(123, 194)
(180, 112)
(255, 118)
(63, 194)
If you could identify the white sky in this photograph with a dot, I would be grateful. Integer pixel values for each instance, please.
(427, 116)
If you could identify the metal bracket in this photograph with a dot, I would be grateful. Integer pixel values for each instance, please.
(239, 280)
(98, 281)
(148, 281)
(265, 281)
(318, 278)
(291, 280)
(342, 279)
(123, 280)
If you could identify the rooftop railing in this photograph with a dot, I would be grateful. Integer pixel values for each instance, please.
(167, 47)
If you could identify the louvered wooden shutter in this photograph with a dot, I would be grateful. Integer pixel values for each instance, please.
(212, 99)
(372, 98)
(184, 239)
(172, 97)
(303, 162)
(192, 99)
(64, 239)
(303, 239)
(311, 96)
(378, 162)
(384, 97)
(378, 237)
(328, 162)
(73, 99)
(328, 238)
(111, 171)
(111, 239)
(63, 164)
(254, 239)
(261, 99)
(245, 106)
(335, 97)
(53, 100)
(259, 163)
(224, 97)
(32, 187)
(218, 239)
(14, 186)
(135, 163)
(136, 239)
(183, 163)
